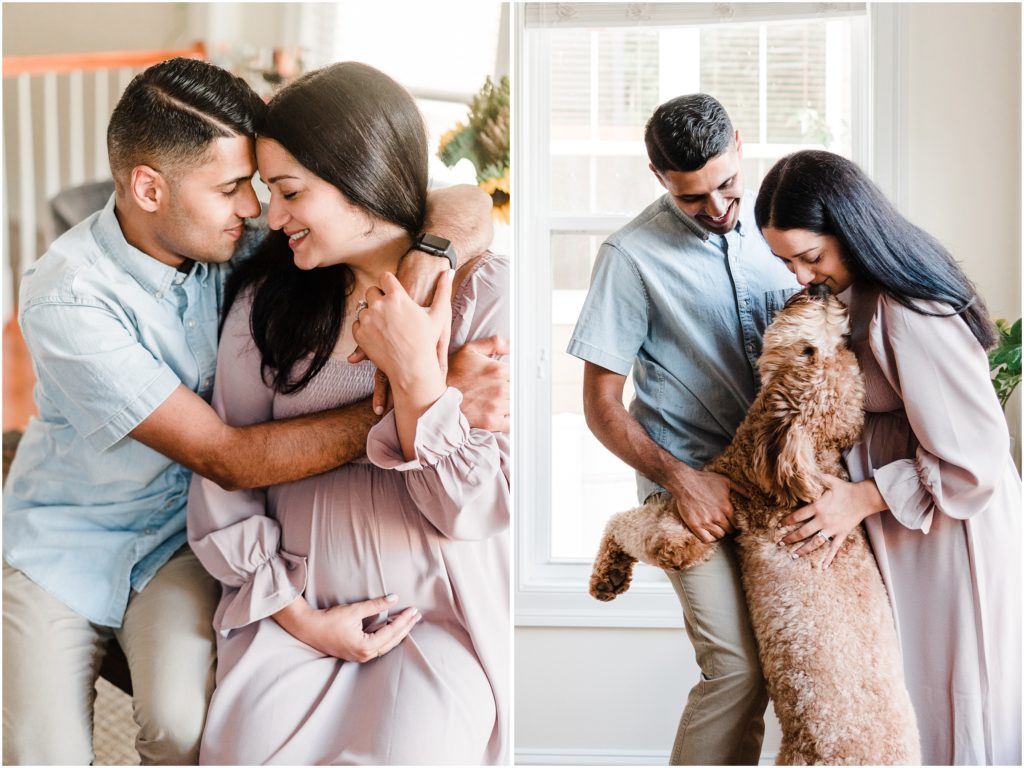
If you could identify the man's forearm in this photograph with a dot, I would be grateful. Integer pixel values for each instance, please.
(624, 436)
(461, 214)
(278, 452)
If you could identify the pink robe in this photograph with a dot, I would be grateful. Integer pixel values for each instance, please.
(949, 548)
(433, 530)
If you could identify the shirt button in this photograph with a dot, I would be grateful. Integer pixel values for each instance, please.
(750, 347)
(206, 382)
(159, 294)
(191, 323)
(149, 531)
(179, 279)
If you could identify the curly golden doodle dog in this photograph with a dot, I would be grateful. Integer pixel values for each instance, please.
(826, 636)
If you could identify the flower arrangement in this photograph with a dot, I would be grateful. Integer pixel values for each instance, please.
(1004, 360)
(484, 141)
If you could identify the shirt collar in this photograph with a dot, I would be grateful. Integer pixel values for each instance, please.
(692, 224)
(154, 276)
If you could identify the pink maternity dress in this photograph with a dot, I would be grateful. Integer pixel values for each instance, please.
(433, 530)
(949, 548)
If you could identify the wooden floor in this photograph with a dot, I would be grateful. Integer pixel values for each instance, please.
(18, 379)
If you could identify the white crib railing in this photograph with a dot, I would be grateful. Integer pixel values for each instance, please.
(56, 109)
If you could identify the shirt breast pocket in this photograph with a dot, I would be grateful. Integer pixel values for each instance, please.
(775, 300)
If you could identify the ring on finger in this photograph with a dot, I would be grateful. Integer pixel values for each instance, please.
(360, 306)
(823, 536)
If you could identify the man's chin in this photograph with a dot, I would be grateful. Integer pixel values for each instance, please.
(215, 258)
(723, 228)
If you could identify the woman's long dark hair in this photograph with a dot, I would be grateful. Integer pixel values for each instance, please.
(825, 193)
(356, 128)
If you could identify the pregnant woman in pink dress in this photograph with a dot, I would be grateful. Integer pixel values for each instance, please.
(932, 477)
(423, 517)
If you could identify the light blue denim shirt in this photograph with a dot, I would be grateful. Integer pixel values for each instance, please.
(685, 309)
(89, 513)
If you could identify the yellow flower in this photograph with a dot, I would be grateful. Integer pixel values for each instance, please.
(502, 212)
(496, 183)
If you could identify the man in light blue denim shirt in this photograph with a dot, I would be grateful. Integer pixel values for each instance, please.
(681, 296)
(121, 318)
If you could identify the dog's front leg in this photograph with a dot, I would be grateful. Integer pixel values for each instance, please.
(656, 535)
(613, 570)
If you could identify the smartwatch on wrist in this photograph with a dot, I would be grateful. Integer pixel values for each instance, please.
(436, 246)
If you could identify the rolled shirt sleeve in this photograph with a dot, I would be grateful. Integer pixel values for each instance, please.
(93, 366)
(614, 320)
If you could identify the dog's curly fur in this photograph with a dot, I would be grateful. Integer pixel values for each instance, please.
(826, 637)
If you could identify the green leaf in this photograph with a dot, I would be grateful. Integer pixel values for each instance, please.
(459, 147)
(1013, 360)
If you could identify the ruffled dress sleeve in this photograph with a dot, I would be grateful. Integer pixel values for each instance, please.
(459, 477)
(230, 531)
(941, 373)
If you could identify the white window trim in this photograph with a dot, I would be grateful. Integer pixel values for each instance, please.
(550, 592)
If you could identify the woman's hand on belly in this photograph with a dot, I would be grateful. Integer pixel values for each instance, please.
(338, 631)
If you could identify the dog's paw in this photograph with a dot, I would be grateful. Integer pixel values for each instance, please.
(612, 573)
(611, 583)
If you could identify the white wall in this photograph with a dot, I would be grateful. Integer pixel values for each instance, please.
(603, 696)
(37, 28)
(965, 148)
(613, 695)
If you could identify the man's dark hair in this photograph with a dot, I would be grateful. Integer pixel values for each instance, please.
(169, 114)
(687, 131)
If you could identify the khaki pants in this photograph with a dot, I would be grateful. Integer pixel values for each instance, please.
(723, 722)
(52, 656)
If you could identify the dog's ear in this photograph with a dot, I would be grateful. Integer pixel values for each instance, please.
(796, 468)
(783, 461)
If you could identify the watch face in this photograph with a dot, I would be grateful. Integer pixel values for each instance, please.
(435, 242)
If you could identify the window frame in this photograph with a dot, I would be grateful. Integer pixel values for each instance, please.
(553, 592)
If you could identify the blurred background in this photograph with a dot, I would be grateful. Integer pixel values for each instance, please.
(66, 64)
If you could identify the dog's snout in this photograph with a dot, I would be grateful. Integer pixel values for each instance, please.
(818, 291)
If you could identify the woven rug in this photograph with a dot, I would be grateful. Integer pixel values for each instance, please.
(113, 733)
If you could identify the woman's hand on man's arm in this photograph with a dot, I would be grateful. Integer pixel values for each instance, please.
(462, 215)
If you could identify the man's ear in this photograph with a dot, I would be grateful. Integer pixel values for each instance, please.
(655, 171)
(147, 188)
(739, 144)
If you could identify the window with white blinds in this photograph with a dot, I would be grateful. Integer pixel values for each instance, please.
(588, 81)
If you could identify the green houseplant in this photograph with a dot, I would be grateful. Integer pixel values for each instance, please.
(1004, 360)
